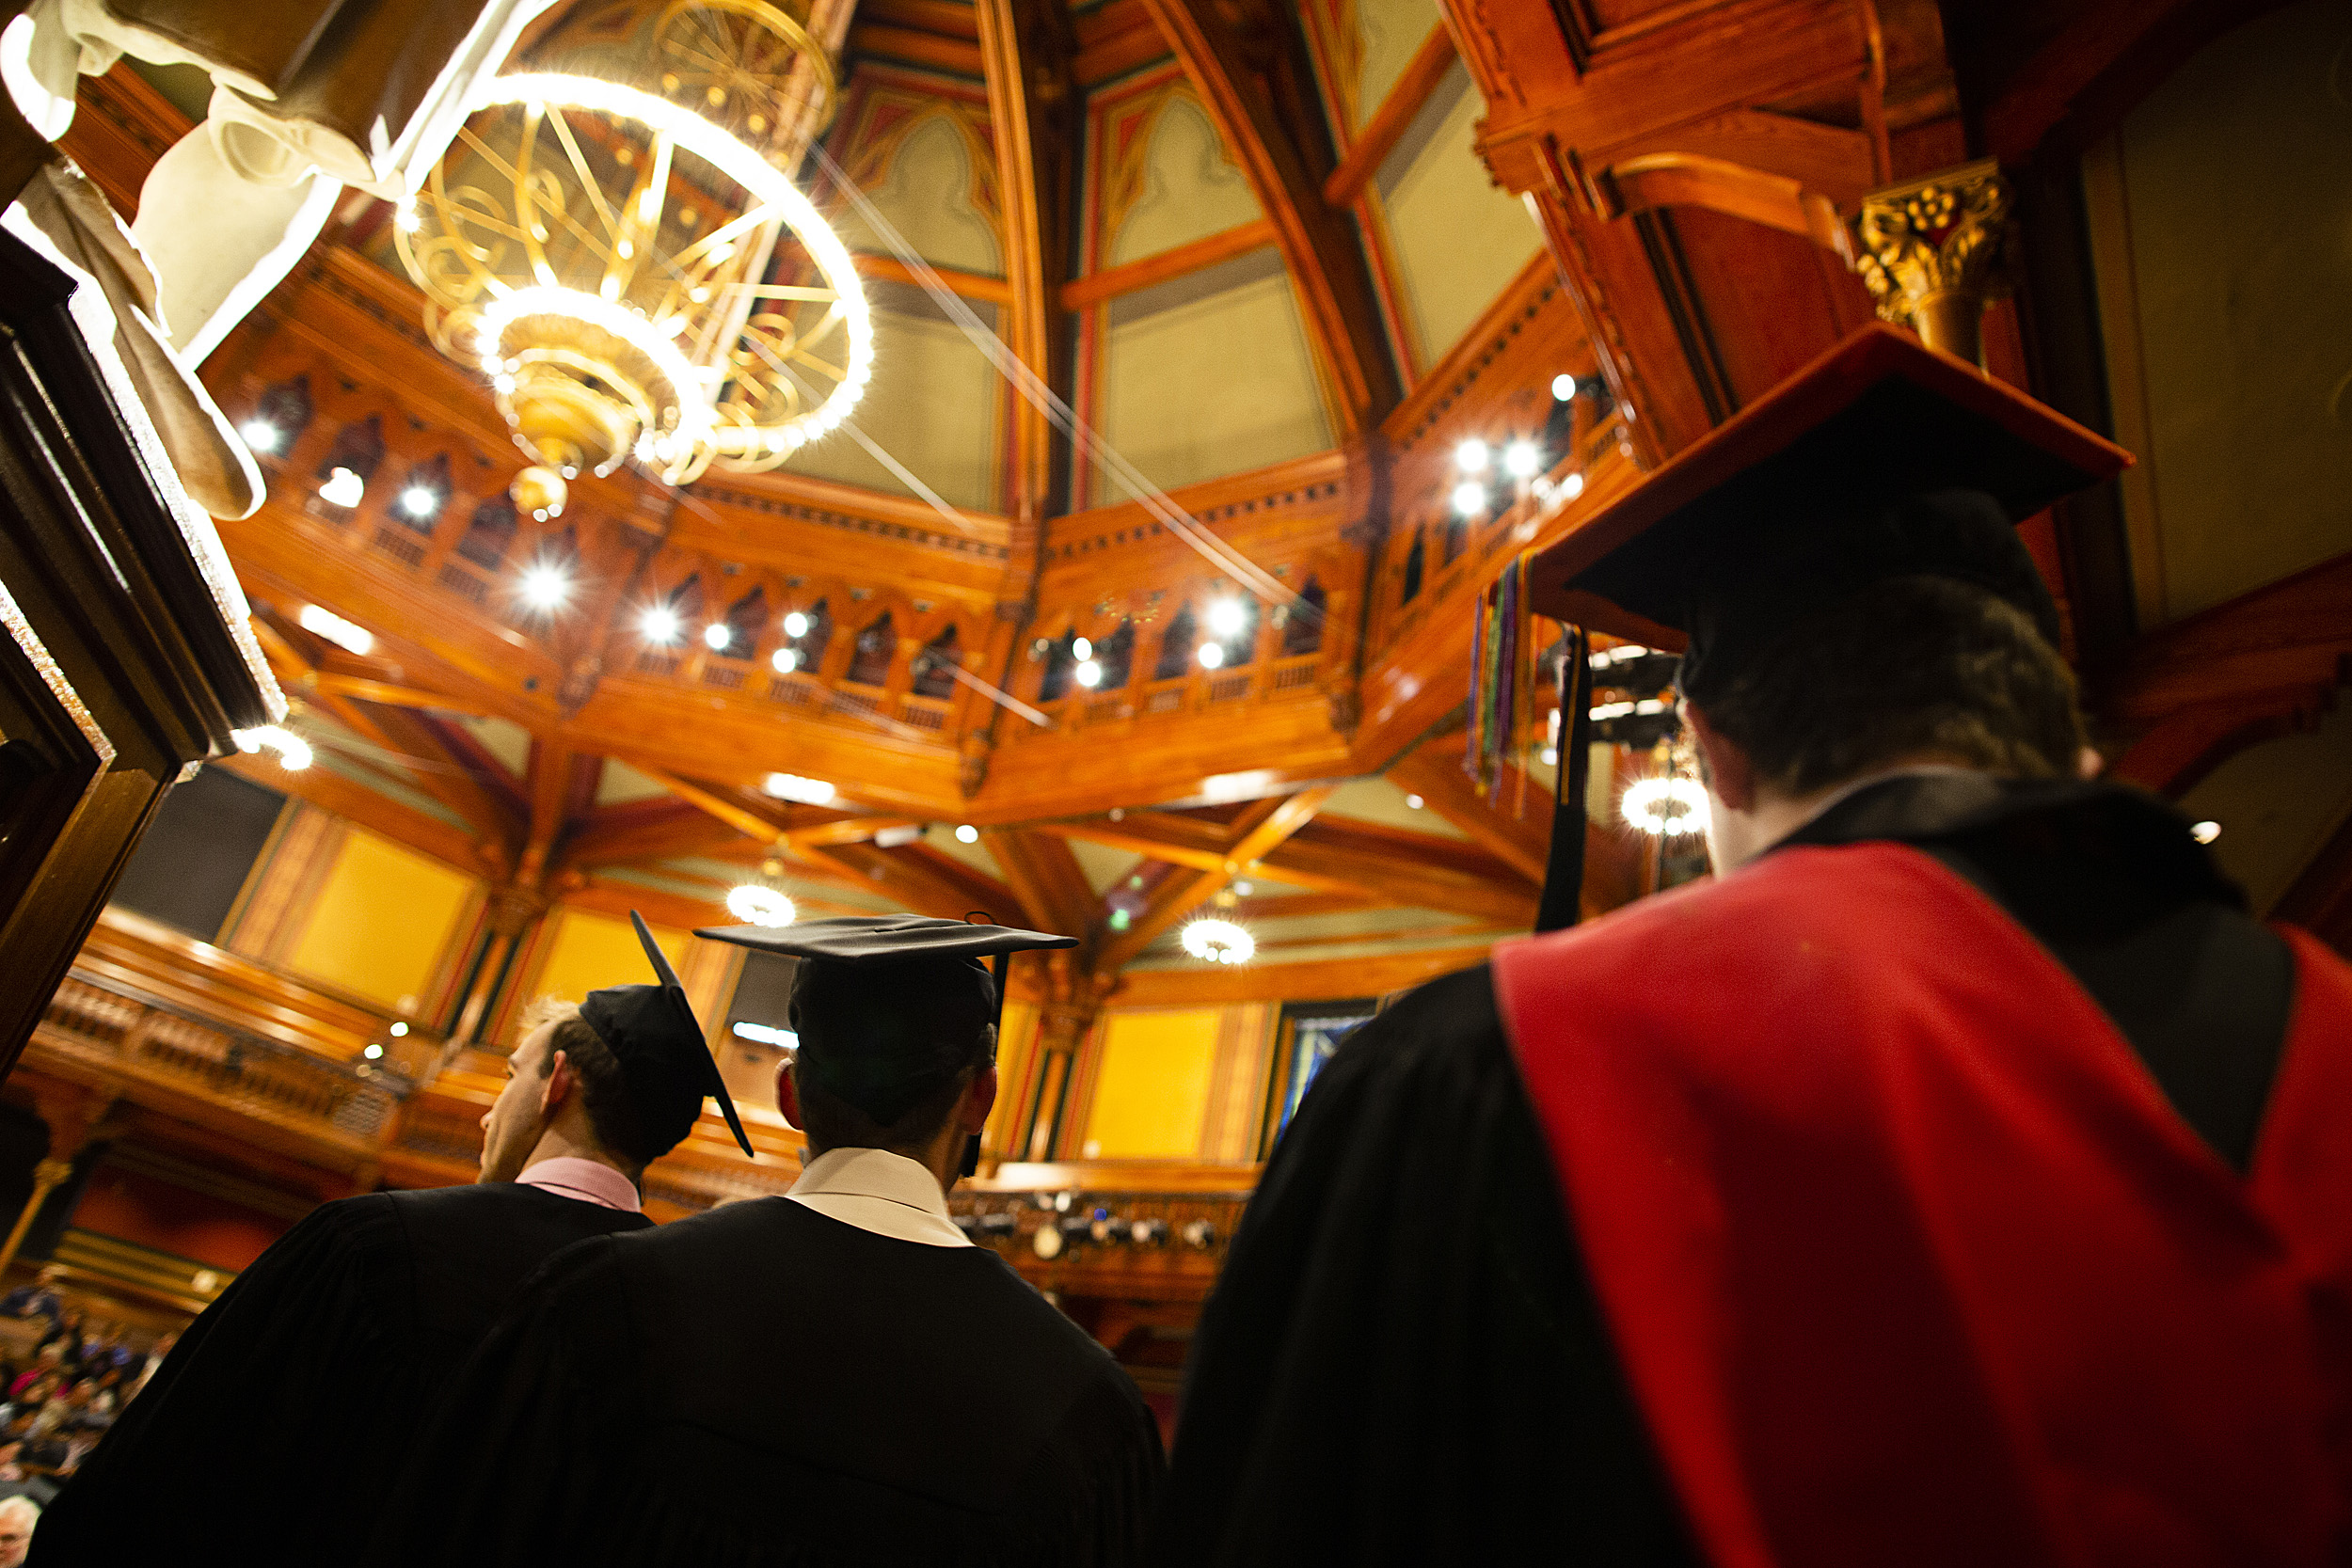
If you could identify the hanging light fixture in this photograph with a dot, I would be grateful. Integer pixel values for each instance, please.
(1219, 942)
(630, 267)
(1665, 805)
(757, 905)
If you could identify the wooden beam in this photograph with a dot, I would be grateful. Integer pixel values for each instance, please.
(1026, 52)
(333, 793)
(551, 783)
(440, 773)
(1256, 835)
(1046, 878)
(1369, 147)
(1271, 122)
(1190, 257)
(965, 285)
(614, 838)
(392, 693)
(953, 55)
(1433, 772)
(1114, 39)
(731, 806)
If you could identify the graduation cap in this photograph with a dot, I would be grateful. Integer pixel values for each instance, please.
(652, 1033)
(1882, 459)
(888, 1005)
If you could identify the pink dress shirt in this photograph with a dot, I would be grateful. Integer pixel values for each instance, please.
(586, 1180)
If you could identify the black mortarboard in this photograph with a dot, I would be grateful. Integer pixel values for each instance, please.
(887, 1005)
(1882, 459)
(652, 1033)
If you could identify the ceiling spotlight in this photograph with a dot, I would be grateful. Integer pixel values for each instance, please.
(294, 753)
(2205, 832)
(1211, 656)
(419, 502)
(374, 1052)
(759, 906)
(791, 786)
(324, 623)
(1563, 388)
(342, 488)
(1219, 942)
(1226, 617)
(796, 624)
(1520, 460)
(785, 661)
(1470, 456)
(1414, 802)
(967, 834)
(400, 1031)
(1660, 806)
(1571, 487)
(1469, 497)
(1081, 648)
(658, 624)
(717, 635)
(545, 585)
(262, 435)
(1089, 673)
(891, 838)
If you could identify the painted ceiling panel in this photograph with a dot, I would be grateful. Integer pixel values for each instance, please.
(1173, 184)
(1454, 239)
(2277, 803)
(504, 739)
(1388, 33)
(2237, 178)
(1209, 374)
(1378, 800)
(620, 783)
(931, 195)
(942, 837)
(1104, 866)
(936, 406)
(347, 755)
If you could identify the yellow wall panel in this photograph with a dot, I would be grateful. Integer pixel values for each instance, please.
(382, 923)
(587, 952)
(1152, 1089)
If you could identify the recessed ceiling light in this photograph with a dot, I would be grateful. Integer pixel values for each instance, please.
(545, 585)
(1211, 656)
(659, 624)
(792, 786)
(1081, 648)
(262, 435)
(1089, 673)
(419, 502)
(344, 634)
(968, 833)
(717, 635)
(1563, 386)
(2205, 832)
(796, 624)
(1520, 459)
(342, 488)
(1471, 455)
(1469, 497)
(785, 661)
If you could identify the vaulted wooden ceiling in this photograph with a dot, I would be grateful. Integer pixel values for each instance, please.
(1283, 257)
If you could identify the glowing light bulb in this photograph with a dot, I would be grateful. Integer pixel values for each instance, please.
(1226, 617)
(2205, 832)
(1081, 648)
(262, 435)
(1563, 388)
(1219, 942)
(1469, 497)
(791, 786)
(1660, 806)
(659, 624)
(966, 834)
(400, 1031)
(1520, 460)
(755, 905)
(1211, 656)
(785, 661)
(322, 622)
(1571, 487)
(1414, 802)
(716, 636)
(1470, 456)
(545, 586)
(342, 488)
(796, 624)
(1089, 673)
(419, 502)
(373, 1051)
(294, 753)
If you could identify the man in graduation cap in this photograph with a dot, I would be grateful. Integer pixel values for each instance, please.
(836, 1376)
(1959, 1177)
(273, 1426)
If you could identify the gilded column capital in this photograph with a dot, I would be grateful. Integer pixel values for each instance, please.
(1935, 251)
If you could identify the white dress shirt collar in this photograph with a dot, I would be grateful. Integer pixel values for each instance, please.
(878, 1191)
(584, 1179)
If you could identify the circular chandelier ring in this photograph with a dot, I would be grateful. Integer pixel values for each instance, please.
(769, 185)
(803, 46)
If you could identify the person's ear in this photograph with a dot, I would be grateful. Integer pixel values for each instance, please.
(558, 1088)
(979, 1099)
(1726, 767)
(788, 1094)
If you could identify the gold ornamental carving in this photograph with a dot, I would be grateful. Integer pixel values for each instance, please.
(1936, 251)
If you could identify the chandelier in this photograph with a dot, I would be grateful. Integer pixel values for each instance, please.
(632, 269)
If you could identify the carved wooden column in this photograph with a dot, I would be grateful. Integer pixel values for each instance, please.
(1934, 254)
(1073, 997)
(514, 909)
(74, 1125)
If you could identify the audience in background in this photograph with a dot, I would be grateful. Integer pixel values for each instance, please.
(60, 1399)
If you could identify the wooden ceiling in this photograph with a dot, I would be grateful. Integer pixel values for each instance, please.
(1686, 305)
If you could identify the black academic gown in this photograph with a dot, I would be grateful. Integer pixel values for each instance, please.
(272, 1428)
(1405, 1362)
(764, 1385)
